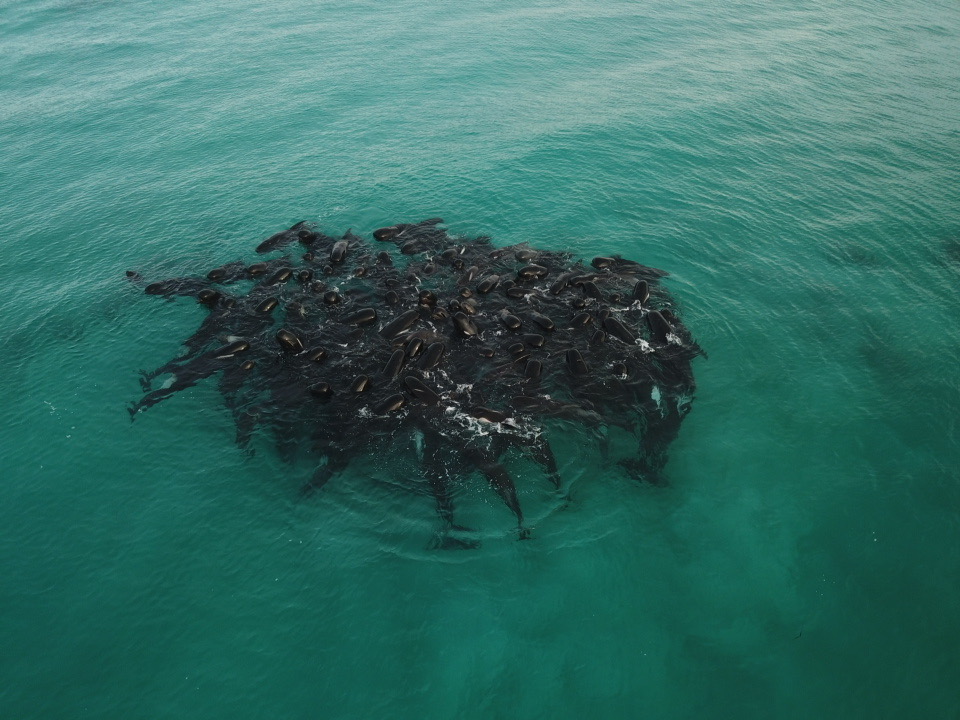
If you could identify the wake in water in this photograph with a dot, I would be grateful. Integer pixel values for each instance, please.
(464, 349)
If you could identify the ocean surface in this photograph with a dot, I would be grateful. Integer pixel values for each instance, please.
(795, 167)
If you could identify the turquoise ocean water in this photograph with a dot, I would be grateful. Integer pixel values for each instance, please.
(795, 166)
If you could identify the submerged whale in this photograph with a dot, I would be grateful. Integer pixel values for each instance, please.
(469, 349)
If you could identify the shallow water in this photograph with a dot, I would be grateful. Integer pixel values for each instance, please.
(794, 168)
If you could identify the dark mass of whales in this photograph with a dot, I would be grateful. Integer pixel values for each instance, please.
(463, 348)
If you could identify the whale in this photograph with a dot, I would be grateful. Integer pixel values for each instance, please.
(417, 338)
(283, 238)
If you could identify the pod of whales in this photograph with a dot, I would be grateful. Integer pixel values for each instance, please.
(464, 349)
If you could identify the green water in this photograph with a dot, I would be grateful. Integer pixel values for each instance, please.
(795, 166)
